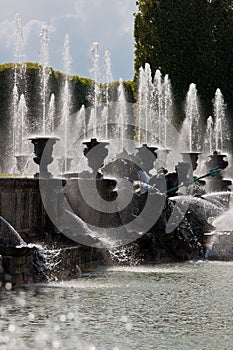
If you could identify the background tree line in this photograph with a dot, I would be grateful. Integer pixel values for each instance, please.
(192, 41)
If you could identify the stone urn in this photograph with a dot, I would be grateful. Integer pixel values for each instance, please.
(191, 157)
(147, 156)
(95, 152)
(217, 183)
(216, 160)
(43, 149)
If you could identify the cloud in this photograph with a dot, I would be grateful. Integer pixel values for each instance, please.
(83, 7)
(7, 33)
(126, 16)
(35, 25)
(108, 22)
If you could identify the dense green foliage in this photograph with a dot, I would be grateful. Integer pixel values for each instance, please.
(192, 41)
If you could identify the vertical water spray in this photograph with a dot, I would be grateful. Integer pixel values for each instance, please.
(21, 123)
(210, 132)
(144, 103)
(108, 79)
(20, 68)
(108, 65)
(95, 52)
(158, 103)
(121, 112)
(219, 115)
(193, 119)
(20, 44)
(168, 107)
(83, 122)
(15, 99)
(44, 72)
(140, 102)
(51, 114)
(148, 91)
(66, 96)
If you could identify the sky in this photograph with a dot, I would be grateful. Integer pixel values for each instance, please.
(107, 22)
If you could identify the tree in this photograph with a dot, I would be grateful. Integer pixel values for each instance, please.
(192, 41)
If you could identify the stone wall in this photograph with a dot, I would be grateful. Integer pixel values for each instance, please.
(22, 207)
(54, 256)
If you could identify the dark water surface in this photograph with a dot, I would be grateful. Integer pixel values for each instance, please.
(170, 306)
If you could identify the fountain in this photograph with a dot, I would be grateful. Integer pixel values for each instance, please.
(127, 197)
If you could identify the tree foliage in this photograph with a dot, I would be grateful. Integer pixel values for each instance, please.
(191, 40)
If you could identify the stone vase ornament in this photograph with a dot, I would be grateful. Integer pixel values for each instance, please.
(43, 159)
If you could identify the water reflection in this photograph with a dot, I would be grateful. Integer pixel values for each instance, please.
(186, 306)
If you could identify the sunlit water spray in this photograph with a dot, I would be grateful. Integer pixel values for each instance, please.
(95, 52)
(191, 126)
(44, 73)
(22, 125)
(66, 98)
(108, 80)
(220, 120)
(19, 74)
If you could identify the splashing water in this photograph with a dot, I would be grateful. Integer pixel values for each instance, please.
(125, 255)
(220, 246)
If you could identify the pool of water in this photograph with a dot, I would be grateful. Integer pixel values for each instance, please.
(170, 306)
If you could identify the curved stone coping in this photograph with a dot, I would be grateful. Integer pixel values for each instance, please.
(26, 182)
